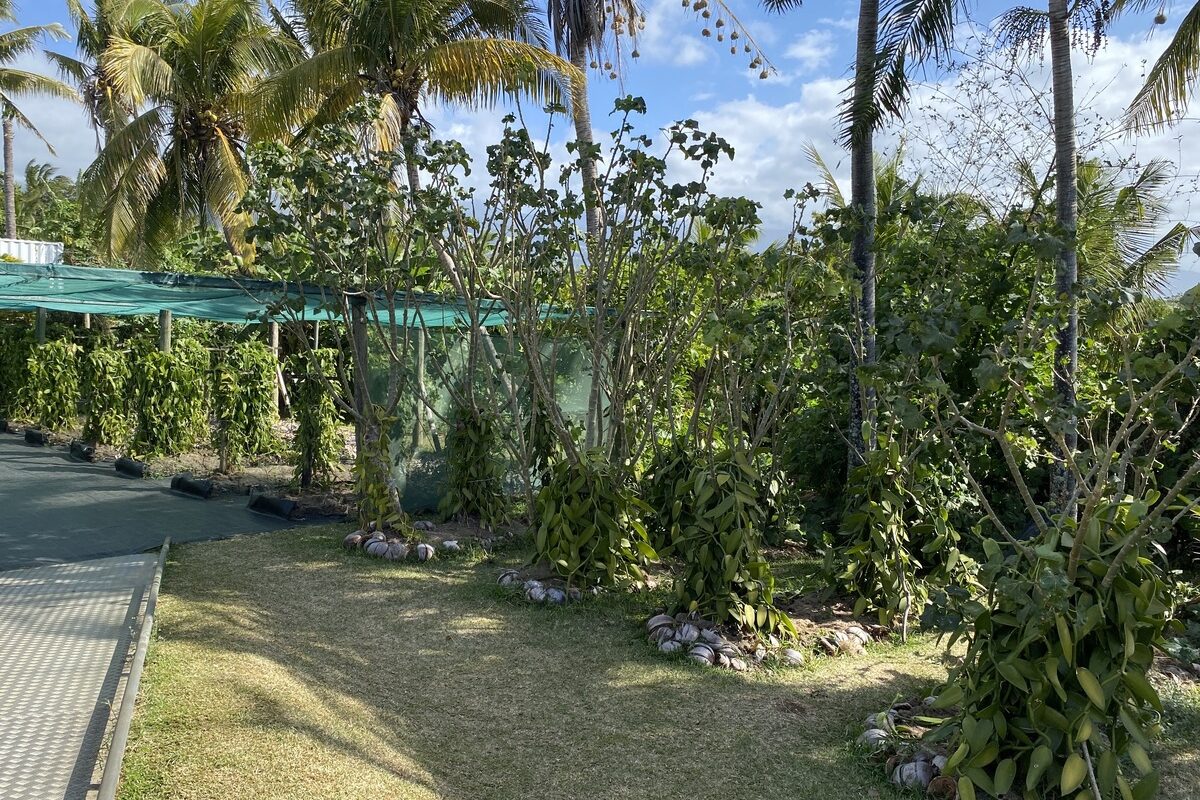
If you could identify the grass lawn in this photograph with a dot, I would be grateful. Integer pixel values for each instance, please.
(286, 668)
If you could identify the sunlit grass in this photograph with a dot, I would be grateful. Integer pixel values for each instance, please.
(286, 668)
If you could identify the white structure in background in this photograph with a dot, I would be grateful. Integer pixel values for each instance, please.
(29, 252)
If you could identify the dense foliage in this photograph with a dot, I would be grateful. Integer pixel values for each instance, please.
(475, 480)
(588, 525)
(244, 402)
(106, 381)
(318, 442)
(50, 394)
(170, 398)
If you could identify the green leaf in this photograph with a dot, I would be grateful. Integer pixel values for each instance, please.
(1073, 773)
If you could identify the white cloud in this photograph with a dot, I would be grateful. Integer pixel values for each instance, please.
(813, 50)
(63, 124)
(672, 36)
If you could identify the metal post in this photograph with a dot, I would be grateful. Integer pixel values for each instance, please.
(87, 322)
(316, 334)
(164, 331)
(40, 326)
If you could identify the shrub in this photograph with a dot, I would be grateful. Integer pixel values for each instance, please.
(51, 393)
(244, 402)
(1055, 672)
(719, 532)
(377, 491)
(16, 343)
(170, 392)
(105, 399)
(476, 467)
(588, 524)
(317, 442)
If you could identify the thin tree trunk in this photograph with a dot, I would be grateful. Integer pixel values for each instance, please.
(862, 250)
(10, 181)
(1066, 355)
(581, 114)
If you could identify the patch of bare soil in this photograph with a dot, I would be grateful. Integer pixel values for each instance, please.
(814, 614)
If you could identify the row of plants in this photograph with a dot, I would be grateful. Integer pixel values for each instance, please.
(150, 403)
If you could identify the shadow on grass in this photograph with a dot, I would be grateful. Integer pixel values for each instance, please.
(431, 682)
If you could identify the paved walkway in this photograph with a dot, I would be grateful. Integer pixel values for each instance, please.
(73, 569)
(55, 510)
(65, 632)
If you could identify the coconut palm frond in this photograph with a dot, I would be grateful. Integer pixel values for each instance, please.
(19, 41)
(325, 84)
(138, 71)
(225, 180)
(828, 183)
(20, 83)
(1170, 81)
(479, 72)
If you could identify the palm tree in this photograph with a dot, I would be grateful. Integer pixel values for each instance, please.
(1170, 81)
(462, 52)
(1031, 28)
(580, 28)
(191, 71)
(106, 110)
(1066, 203)
(886, 49)
(18, 83)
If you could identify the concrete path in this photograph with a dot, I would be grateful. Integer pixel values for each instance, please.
(67, 611)
(65, 632)
(55, 510)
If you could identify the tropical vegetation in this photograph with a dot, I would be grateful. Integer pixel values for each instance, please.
(975, 421)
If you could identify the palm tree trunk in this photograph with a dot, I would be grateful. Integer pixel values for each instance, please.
(1066, 354)
(581, 114)
(10, 181)
(862, 250)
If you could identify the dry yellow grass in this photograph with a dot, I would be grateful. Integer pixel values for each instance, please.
(284, 668)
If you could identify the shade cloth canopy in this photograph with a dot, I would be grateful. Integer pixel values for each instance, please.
(120, 292)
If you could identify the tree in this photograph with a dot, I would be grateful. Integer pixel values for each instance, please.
(580, 28)
(106, 110)
(1031, 28)
(191, 71)
(19, 83)
(408, 51)
(1066, 210)
(891, 39)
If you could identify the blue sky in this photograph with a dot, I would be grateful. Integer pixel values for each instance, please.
(682, 74)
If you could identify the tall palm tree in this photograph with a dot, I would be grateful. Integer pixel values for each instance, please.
(581, 28)
(1170, 81)
(94, 32)
(191, 71)
(16, 84)
(1066, 204)
(1032, 27)
(462, 52)
(890, 41)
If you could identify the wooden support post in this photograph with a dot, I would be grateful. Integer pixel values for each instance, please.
(362, 400)
(281, 397)
(419, 416)
(40, 326)
(164, 331)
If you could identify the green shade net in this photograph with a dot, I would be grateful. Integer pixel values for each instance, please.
(119, 292)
